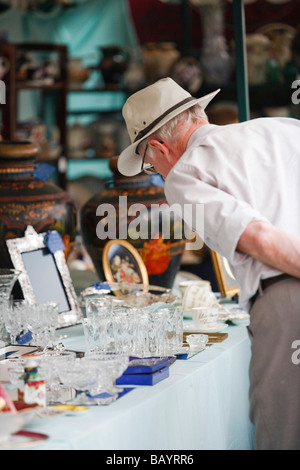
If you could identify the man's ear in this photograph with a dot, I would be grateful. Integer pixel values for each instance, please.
(159, 147)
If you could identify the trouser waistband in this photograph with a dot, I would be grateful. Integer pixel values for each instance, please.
(265, 283)
(273, 280)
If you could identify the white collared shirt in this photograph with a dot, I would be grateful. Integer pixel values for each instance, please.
(241, 173)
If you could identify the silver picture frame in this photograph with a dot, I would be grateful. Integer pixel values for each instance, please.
(38, 284)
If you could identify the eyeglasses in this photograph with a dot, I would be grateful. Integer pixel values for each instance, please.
(147, 168)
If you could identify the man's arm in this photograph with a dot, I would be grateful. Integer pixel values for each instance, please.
(271, 246)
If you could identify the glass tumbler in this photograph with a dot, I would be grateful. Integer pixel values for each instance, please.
(99, 304)
(42, 321)
(155, 334)
(173, 330)
(98, 333)
(125, 325)
(98, 326)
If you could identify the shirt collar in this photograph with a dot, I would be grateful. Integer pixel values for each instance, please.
(200, 132)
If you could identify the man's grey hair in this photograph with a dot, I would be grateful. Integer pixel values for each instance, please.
(169, 131)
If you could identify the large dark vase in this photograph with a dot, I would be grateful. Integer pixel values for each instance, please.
(25, 200)
(161, 254)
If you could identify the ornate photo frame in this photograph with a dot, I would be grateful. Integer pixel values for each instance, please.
(122, 263)
(44, 275)
(225, 280)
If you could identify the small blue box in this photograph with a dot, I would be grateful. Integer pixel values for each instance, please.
(144, 379)
(146, 365)
(145, 371)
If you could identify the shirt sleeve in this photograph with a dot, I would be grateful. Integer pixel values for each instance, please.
(225, 217)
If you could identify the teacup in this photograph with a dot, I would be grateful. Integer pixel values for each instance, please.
(183, 285)
(204, 317)
(198, 294)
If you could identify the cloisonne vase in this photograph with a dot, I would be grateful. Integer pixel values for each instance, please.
(26, 200)
(160, 253)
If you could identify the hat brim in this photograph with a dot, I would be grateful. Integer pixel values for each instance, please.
(129, 162)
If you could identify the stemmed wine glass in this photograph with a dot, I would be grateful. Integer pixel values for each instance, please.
(15, 313)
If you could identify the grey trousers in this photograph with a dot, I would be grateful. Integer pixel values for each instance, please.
(275, 366)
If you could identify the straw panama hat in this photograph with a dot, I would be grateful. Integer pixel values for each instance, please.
(148, 110)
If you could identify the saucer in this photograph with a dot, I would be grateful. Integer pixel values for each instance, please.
(23, 439)
(205, 329)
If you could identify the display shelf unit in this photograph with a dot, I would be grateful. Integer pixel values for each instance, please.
(122, 93)
(87, 106)
(271, 95)
(57, 91)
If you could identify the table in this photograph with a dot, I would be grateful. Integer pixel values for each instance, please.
(202, 405)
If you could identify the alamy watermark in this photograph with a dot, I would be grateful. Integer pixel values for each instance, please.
(296, 93)
(2, 92)
(296, 354)
(171, 222)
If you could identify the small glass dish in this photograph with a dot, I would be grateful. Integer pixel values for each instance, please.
(197, 341)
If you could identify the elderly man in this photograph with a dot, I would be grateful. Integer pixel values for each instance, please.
(247, 177)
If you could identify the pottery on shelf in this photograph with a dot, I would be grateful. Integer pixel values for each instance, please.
(113, 64)
(26, 200)
(158, 60)
(109, 136)
(77, 72)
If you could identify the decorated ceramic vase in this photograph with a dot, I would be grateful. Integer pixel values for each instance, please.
(26, 200)
(136, 210)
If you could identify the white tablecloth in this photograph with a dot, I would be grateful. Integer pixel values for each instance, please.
(202, 405)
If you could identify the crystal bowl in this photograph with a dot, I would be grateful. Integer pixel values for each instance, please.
(131, 294)
(196, 340)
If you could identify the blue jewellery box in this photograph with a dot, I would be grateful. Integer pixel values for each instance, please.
(145, 371)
